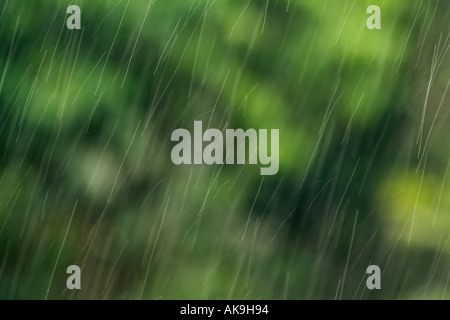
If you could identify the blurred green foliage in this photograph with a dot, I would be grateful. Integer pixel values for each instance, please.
(85, 124)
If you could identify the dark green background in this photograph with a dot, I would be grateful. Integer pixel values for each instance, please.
(85, 123)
